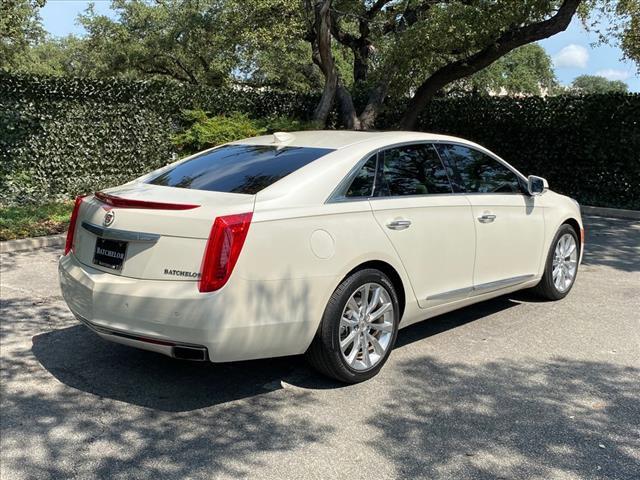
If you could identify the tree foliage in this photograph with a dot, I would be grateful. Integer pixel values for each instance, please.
(616, 21)
(188, 41)
(361, 54)
(528, 70)
(417, 48)
(200, 131)
(204, 42)
(19, 28)
(588, 84)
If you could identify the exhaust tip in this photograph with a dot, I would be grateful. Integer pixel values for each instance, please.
(197, 354)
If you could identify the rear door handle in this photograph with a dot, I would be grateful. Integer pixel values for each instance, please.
(399, 224)
(486, 218)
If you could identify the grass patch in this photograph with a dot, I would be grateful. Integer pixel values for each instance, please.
(34, 220)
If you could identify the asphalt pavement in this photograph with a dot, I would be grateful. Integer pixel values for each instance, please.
(512, 388)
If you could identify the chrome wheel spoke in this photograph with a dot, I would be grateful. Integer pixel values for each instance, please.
(570, 249)
(377, 348)
(380, 311)
(364, 303)
(348, 322)
(354, 351)
(348, 339)
(375, 300)
(353, 306)
(382, 327)
(366, 357)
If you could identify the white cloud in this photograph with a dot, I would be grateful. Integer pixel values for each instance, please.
(613, 74)
(572, 56)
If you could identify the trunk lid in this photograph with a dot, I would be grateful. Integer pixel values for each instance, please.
(152, 243)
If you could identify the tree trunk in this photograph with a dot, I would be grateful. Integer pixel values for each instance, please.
(423, 95)
(321, 113)
(323, 57)
(360, 63)
(347, 110)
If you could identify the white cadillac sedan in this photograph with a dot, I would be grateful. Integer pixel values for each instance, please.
(321, 242)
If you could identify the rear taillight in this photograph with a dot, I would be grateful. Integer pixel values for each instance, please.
(223, 249)
(72, 224)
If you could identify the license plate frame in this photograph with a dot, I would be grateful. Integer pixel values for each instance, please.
(110, 253)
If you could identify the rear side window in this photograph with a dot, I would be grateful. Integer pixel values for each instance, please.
(412, 170)
(238, 168)
(363, 183)
(476, 172)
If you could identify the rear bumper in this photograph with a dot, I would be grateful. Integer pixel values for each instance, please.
(173, 349)
(244, 320)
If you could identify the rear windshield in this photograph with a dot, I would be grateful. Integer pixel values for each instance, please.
(238, 168)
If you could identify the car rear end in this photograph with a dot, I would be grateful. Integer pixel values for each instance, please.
(152, 264)
(133, 269)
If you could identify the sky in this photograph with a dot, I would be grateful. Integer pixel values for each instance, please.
(572, 51)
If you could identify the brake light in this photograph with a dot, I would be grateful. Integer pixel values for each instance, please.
(68, 246)
(120, 202)
(223, 249)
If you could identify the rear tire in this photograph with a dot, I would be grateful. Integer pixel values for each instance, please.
(560, 261)
(358, 329)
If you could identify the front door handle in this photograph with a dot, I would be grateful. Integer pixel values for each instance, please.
(399, 224)
(486, 218)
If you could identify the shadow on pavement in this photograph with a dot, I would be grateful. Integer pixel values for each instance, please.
(457, 318)
(558, 418)
(435, 419)
(80, 359)
(75, 429)
(524, 419)
(612, 242)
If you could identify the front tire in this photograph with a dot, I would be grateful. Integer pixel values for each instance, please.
(358, 329)
(561, 267)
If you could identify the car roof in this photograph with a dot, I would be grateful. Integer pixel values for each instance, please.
(338, 139)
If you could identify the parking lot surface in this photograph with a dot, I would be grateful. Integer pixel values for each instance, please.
(512, 388)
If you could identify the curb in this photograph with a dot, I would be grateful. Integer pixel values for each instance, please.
(34, 243)
(610, 212)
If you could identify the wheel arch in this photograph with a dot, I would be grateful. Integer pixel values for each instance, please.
(390, 271)
(576, 227)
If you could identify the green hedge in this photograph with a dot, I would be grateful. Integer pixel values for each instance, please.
(587, 147)
(61, 136)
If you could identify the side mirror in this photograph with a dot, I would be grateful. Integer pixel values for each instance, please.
(536, 185)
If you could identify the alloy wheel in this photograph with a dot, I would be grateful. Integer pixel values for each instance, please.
(565, 262)
(366, 326)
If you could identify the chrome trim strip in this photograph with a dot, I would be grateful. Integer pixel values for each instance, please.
(124, 235)
(337, 195)
(452, 294)
(480, 289)
(498, 284)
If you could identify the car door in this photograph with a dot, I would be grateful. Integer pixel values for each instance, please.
(509, 225)
(430, 227)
